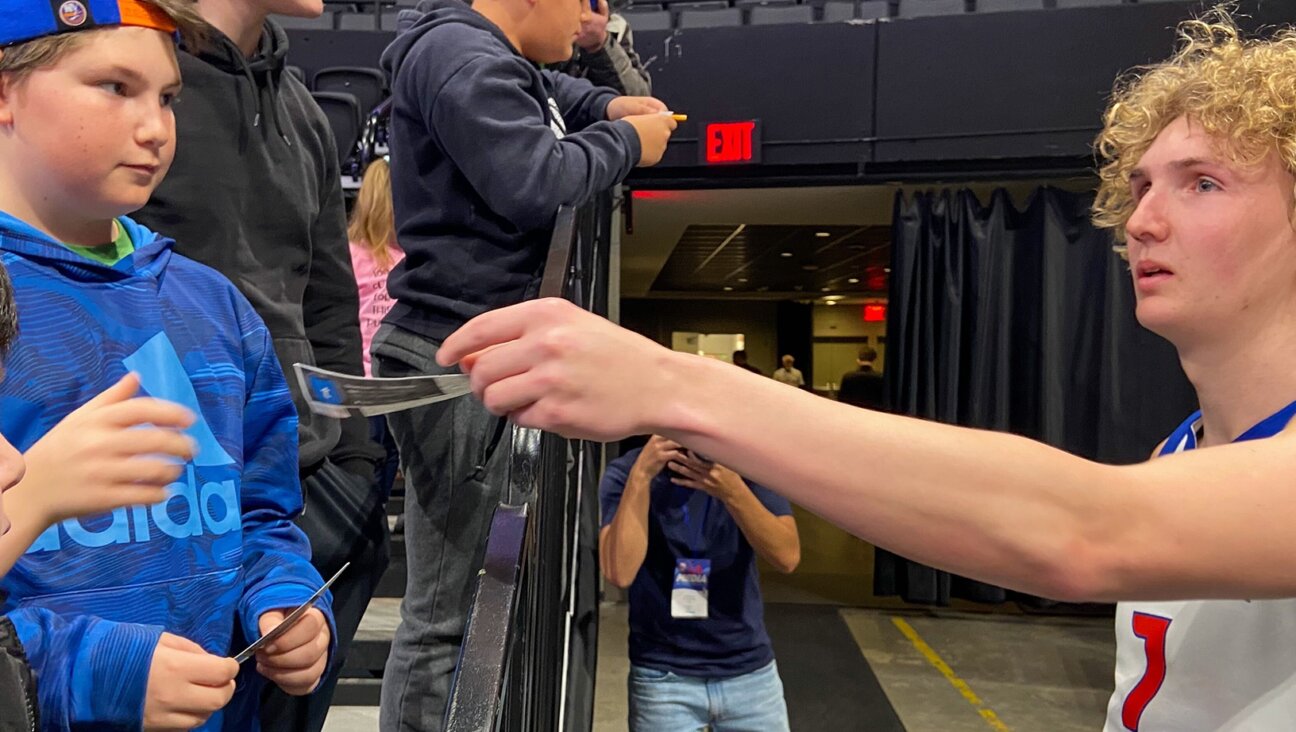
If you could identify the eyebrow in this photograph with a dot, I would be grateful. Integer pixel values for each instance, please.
(1182, 164)
(137, 77)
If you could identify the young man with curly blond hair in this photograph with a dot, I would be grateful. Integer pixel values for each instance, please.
(1196, 545)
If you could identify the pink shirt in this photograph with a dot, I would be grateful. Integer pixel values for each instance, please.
(374, 300)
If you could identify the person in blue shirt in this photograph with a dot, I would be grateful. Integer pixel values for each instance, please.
(682, 534)
(128, 617)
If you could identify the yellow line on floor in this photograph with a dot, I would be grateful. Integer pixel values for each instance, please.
(934, 659)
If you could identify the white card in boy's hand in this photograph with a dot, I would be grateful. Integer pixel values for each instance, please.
(289, 621)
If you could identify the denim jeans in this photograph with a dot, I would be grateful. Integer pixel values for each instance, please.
(661, 701)
(455, 456)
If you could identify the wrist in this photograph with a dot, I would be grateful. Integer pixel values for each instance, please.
(25, 508)
(681, 409)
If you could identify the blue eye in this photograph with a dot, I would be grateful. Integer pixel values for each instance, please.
(1206, 184)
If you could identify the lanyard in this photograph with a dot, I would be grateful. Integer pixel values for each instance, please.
(695, 535)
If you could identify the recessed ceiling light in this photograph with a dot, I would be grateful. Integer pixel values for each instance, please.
(833, 298)
(785, 254)
(853, 280)
(826, 289)
(728, 289)
(810, 267)
(887, 270)
(822, 234)
(742, 279)
(831, 302)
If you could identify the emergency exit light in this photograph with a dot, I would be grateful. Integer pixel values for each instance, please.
(875, 313)
(731, 143)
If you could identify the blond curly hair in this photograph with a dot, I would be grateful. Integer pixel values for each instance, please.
(1241, 91)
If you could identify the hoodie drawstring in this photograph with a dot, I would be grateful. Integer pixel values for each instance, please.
(272, 109)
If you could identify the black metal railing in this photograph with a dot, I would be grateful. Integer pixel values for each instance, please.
(527, 662)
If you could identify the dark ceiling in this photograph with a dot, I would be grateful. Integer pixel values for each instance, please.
(770, 259)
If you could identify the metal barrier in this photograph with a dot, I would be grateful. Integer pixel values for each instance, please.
(527, 661)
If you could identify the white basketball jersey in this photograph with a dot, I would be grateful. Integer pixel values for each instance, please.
(1215, 665)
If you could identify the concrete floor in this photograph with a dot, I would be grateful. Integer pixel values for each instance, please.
(1028, 674)
(1031, 674)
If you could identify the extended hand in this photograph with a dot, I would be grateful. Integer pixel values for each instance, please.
(549, 364)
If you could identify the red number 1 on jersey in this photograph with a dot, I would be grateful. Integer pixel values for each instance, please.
(1152, 629)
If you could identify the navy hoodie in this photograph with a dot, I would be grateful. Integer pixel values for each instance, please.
(485, 148)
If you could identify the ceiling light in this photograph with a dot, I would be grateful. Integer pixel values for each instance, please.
(853, 280)
(831, 302)
(810, 267)
(728, 289)
(742, 279)
(826, 289)
(822, 234)
(887, 270)
(833, 298)
(785, 254)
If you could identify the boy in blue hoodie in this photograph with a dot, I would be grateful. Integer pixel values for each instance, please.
(485, 149)
(127, 617)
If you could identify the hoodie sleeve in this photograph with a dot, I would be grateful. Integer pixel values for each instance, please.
(581, 102)
(276, 555)
(497, 134)
(92, 673)
(331, 310)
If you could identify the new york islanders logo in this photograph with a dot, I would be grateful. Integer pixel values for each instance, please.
(73, 13)
(204, 501)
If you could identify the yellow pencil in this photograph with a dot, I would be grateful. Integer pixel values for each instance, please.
(677, 117)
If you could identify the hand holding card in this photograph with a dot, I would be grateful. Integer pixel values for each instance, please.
(297, 658)
(293, 648)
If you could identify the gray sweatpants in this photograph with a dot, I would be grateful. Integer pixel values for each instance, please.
(455, 456)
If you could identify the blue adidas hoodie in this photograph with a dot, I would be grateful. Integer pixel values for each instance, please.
(484, 149)
(92, 596)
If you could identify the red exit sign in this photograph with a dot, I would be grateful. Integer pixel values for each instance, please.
(875, 312)
(731, 143)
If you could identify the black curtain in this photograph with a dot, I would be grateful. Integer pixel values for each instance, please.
(795, 337)
(1023, 322)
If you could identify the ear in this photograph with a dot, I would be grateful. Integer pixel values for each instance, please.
(6, 96)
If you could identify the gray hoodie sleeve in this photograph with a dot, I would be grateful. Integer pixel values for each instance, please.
(499, 137)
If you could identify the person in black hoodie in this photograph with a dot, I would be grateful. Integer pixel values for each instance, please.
(485, 148)
(255, 192)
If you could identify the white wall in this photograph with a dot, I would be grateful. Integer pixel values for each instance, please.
(757, 320)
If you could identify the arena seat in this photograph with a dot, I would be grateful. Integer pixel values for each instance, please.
(926, 8)
(707, 18)
(344, 117)
(1000, 6)
(368, 86)
(780, 14)
(648, 20)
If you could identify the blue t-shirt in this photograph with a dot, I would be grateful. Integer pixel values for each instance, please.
(685, 523)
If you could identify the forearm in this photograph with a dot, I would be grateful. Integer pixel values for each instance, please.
(625, 543)
(992, 506)
(774, 540)
(25, 526)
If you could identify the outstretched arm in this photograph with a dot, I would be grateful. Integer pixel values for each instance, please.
(1000, 508)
